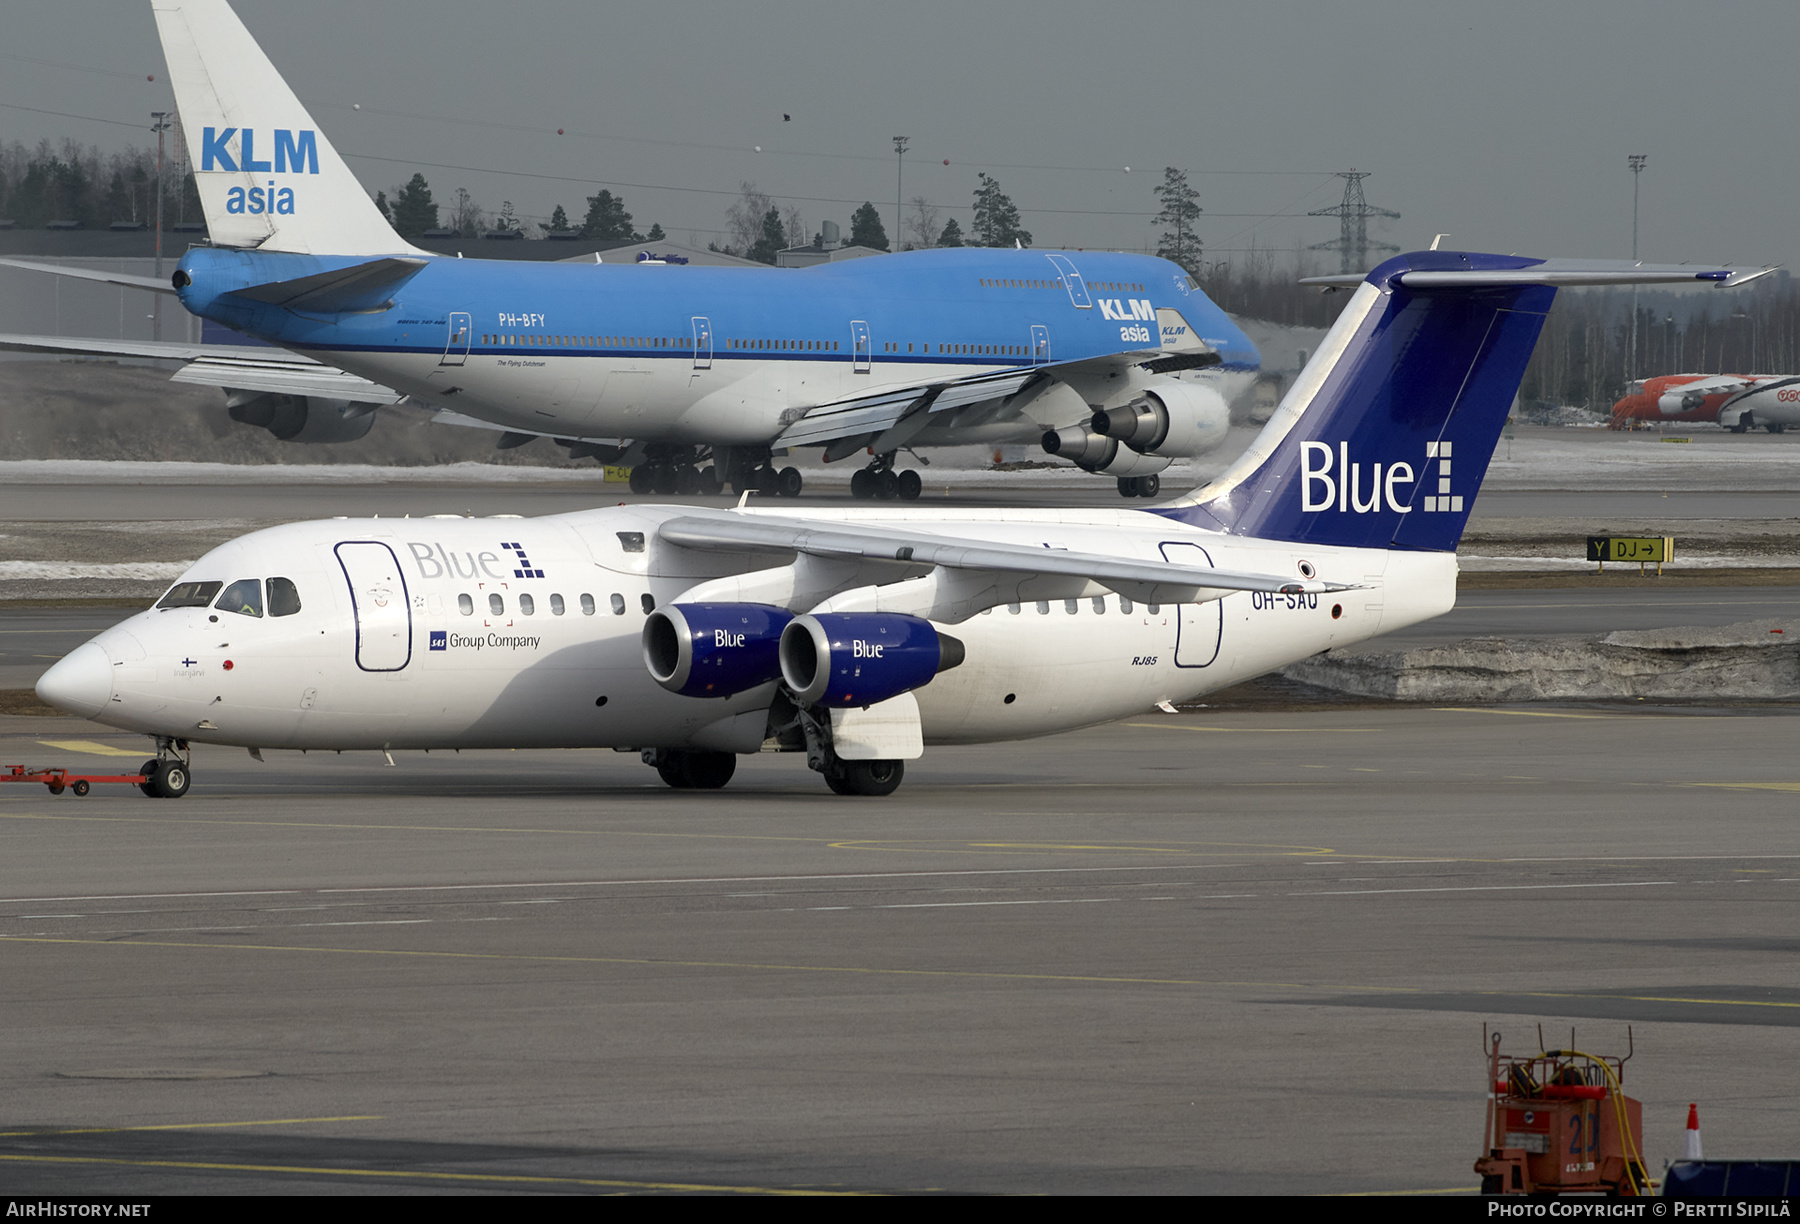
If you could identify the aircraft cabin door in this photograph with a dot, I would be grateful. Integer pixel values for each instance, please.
(1199, 628)
(1071, 279)
(1040, 344)
(383, 612)
(462, 333)
(859, 341)
(702, 343)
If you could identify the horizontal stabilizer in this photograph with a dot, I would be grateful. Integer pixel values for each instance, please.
(1555, 273)
(360, 288)
(1158, 580)
(153, 284)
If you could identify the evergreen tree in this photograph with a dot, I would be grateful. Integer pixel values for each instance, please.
(996, 219)
(607, 219)
(1180, 209)
(656, 233)
(382, 207)
(559, 220)
(952, 235)
(866, 229)
(774, 238)
(414, 211)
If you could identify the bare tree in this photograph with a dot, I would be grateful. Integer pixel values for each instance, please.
(796, 227)
(922, 225)
(744, 219)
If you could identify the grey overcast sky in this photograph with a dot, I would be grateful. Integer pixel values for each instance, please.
(1506, 125)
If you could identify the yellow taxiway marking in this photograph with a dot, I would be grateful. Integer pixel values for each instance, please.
(471, 1179)
(1261, 730)
(91, 748)
(182, 1126)
(1546, 714)
(1774, 786)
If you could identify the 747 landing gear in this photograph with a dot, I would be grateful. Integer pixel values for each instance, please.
(880, 480)
(1140, 486)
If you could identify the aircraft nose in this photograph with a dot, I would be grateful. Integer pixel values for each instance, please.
(81, 682)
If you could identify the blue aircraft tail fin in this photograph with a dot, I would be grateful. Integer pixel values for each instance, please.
(1385, 437)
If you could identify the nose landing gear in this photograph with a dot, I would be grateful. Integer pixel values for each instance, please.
(166, 776)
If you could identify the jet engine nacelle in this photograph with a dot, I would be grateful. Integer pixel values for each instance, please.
(714, 650)
(842, 659)
(1091, 452)
(301, 418)
(1673, 403)
(1176, 419)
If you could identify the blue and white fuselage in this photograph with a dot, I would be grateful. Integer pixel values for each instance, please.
(734, 356)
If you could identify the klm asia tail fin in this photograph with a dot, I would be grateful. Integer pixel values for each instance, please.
(1385, 437)
(268, 177)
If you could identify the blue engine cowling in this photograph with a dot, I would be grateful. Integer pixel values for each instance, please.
(714, 650)
(843, 659)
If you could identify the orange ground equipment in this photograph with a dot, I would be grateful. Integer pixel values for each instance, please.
(1558, 1122)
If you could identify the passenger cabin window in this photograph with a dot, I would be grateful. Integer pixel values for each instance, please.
(190, 595)
(496, 605)
(556, 605)
(648, 601)
(527, 606)
(465, 605)
(243, 597)
(618, 604)
(284, 597)
(587, 605)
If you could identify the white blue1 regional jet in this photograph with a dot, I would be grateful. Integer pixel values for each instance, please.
(695, 636)
(1117, 362)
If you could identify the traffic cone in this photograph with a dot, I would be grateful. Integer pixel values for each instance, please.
(1693, 1134)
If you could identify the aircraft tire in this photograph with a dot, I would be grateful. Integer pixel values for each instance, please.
(887, 485)
(862, 484)
(873, 778)
(791, 482)
(663, 481)
(1775, 429)
(1149, 486)
(641, 478)
(910, 485)
(710, 484)
(1128, 486)
(687, 481)
(706, 770)
(171, 780)
(669, 770)
(768, 483)
(836, 779)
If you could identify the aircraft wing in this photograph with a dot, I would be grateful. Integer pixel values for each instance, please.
(237, 367)
(1151, 581)
(889, 419)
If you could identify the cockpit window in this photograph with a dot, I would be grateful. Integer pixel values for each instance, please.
(243, 597)
(284, 598)
(190, 595)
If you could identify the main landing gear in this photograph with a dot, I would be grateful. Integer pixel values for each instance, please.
(166, 775)
(675, 470)
(880, 480)
(691, 769)
(1140, 486)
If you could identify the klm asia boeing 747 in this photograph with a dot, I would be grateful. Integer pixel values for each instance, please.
(1117, 362)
